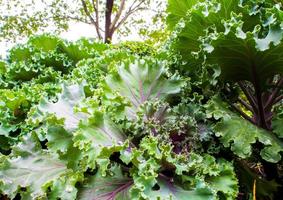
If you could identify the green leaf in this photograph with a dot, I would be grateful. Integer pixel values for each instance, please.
(100, 138)
(13, 107)
(277, 124)
(45, 42)
(141, 81)
(196, 22)
(20, 53)
(21, 71)
(60, 122)
(2, 67)
(240, 134)
(58, 61)
(4, 131)
(178, 9)
(201, 176)
(119, 186)
(61, 142)
(30, 168)
(82, 49)
(99, 187)
(65, 188)
(170, 191)
(242, 37)
(244, 59)
(58, 139)
(63, 108)
(226, 181)
(90, 70)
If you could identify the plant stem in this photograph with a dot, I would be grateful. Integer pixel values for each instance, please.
(272, 99)
(269, 118)
(258, 93)
(248, 94)
(244, 115)
(279, 98)
(247, 106)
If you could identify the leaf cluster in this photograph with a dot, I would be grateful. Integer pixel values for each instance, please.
(111, 125)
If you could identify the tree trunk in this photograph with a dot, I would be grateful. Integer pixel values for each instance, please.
(108, 33)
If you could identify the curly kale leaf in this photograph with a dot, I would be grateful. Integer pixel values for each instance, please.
(243, 37)
(141, 81)
(32, 168)
(240, 134)
(87, 129)
(64, 108)
(114, 186)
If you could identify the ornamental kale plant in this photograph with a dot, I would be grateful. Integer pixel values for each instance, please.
(119, 143)
(243, 40)
(198, 119)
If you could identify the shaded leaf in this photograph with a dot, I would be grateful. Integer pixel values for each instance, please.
(277, 124)
(242, 37)
(240, 134)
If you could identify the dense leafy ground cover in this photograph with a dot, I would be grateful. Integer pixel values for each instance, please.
(199, 118)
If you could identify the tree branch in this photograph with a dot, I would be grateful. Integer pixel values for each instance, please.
(108, 13)
(96, 10)
(68, 17)
(118, 15)
(93, 22)
(133, 8)
(87, 12)
(125, 18)
(279, 98)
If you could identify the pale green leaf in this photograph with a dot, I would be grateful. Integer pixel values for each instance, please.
(170, 191)
(63, 108)
(98, 187)
(99, 137)
(141, 81)
(30, 168)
